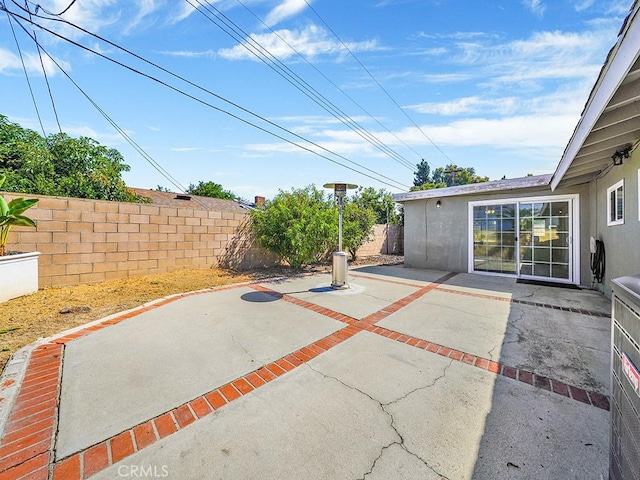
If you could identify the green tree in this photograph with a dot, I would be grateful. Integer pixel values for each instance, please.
(453, 175)
(86, 169)
(357, 226)
(378, 201)
(210, 189)
(298, 225)
(423, 174)
(61, 165)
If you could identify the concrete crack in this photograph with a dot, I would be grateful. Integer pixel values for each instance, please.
(253, 359)
(383, 407)
(424, 387)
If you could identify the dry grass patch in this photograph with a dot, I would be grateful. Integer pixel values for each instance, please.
(25, 319)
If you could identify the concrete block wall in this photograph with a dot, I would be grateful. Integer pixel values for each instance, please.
(385, 241)
(89, 241)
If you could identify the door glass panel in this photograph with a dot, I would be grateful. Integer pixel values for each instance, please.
(545, 226)
(494, 238)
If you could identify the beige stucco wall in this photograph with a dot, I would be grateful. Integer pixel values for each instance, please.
(438, 238)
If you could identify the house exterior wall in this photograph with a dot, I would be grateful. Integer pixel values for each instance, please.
(621, 242)
(438, 238)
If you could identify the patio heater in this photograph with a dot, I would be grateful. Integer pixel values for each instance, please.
(339, 270)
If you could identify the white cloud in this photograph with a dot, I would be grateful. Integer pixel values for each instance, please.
(535, 6)
(186, 149)
(312, 41)
(467, 106)
(190, 54)
(11, 63)
(583, 5)
(287, 9)
(185, 10)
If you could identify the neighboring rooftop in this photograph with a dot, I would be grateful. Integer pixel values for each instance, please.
(171, 199)
(475, 188)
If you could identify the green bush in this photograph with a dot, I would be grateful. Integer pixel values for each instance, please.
(301, 226)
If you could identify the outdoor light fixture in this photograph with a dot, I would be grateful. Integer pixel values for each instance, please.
(340, 258)
(438, 204)
(620, 155)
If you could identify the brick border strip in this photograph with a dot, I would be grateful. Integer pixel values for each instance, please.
(26, 448)
(582, 311)
(27, 442)
(539, 381)
(95, 458)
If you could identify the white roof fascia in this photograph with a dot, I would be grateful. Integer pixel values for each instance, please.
(476, 188)
(622, 61)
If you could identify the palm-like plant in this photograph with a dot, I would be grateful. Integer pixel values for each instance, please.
(11, 214)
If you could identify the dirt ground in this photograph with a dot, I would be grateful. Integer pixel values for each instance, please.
(51, 310)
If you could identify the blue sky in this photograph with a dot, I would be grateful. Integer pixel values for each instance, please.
(490, 84)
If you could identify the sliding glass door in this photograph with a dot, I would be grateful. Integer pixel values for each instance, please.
(494, 238)
(524, 238)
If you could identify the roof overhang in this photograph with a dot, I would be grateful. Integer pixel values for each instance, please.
(611, 118)
(534, 181)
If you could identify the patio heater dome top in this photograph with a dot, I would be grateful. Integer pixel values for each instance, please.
(349, 186)
(340, 188)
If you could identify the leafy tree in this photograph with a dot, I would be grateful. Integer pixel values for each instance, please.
(297, 225)
(378, 201)
(444, 176)
(453, 175)
(160, 188)
(357, 226)
(423, 174)
(210, 189)
(61, 165)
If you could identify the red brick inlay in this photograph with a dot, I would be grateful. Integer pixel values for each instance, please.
(25, 450)
(539, 381)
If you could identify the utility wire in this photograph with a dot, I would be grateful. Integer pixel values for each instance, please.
(394, 185)
(123, 133)
(282, 39)
(44, 72)
(254, 47)
(378, 83)
(33, 98)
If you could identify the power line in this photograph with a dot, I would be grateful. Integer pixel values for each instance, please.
(378, 83)
(263, 54)
(282, 39)
(124, 134)
(177, 90)
(46, 77)
(33, 98)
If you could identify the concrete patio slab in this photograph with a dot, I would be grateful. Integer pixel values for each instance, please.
(303, 426)
(432, 375)
(127, 373)
(372, 295)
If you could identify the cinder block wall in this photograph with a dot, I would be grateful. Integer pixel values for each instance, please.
(88, 241)
(386, 240)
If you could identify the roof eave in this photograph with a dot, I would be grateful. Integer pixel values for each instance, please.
(619, 62)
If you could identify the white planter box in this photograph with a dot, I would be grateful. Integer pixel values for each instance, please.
(18, 275)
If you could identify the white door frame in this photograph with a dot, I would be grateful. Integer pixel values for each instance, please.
(574, 234)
